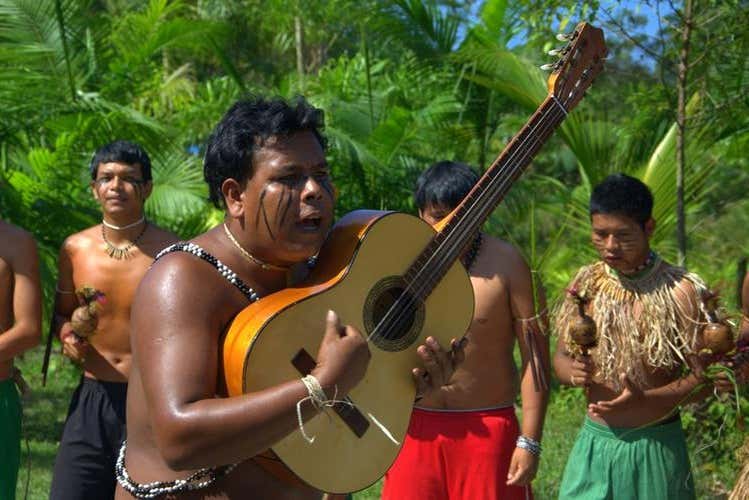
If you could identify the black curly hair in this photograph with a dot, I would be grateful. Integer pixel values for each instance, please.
(126, 152)
(245, 127)
(620, 194)
(444, 184)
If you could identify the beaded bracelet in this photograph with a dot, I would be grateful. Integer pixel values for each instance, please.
(526, 443)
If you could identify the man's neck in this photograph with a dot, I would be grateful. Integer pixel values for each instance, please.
(131, 226)
(641, 269)
(264, 281)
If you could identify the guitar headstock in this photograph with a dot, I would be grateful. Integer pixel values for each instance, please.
(581, 61)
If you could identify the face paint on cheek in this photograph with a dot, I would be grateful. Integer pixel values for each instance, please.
(289, 198)
(138, 188)
(261, 209)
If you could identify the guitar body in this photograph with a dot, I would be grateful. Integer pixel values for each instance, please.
(276, 339)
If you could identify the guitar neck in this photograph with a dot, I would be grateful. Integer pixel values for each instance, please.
(448, 244)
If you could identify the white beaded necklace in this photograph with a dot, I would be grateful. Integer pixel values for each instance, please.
(122, 228)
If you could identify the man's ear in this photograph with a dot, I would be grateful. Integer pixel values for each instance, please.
(92, 184)
(233, 197)
(147, 189)
(649, 227)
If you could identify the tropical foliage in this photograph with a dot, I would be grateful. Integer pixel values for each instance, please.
(403, 83)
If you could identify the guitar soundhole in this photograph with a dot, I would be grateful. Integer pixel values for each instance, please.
(392, 316)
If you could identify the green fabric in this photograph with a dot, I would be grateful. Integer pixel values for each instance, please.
(628, 464)
(10, 438)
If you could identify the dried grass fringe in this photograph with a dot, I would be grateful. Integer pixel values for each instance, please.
(649, 322)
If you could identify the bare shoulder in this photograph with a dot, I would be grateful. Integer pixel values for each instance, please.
(182, 285)
(81, 241)
(689, 291)
(21, 243)
(504, 258)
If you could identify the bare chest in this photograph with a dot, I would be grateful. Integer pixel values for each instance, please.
(492, 313)
(117, 279)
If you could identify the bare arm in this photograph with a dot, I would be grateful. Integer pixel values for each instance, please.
(65, 303)
(661, 401)
(175, 339)
(524, 464)
(27, 300)
(570, 370)
(522, 304)
(562, 362)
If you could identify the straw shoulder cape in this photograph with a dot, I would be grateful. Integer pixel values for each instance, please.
(650, 322)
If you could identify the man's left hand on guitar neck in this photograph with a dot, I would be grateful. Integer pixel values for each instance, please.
(439, 365)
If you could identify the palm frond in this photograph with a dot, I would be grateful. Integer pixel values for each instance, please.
(178, 188)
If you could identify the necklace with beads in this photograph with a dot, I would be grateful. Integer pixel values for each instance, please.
(251, 258)
(121, 253)
(641, 270)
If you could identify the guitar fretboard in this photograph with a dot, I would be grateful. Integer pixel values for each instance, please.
(447, 245)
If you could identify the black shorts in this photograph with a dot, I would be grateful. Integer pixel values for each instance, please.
(91, 438)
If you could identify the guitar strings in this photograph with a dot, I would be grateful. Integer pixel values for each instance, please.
(500, 181)
(485, 203)
(399, 309)
(505, 180)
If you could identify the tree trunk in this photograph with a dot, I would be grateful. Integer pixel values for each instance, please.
(299, 41)
(681, 118)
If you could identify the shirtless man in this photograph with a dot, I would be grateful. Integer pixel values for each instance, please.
(463, 442)
(265, 165)
(648, 328)
(111, 258)
(20, 330)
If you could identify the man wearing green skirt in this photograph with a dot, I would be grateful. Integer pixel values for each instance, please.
(648, 320)
(20, 330)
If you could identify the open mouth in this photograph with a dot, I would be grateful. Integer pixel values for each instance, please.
(311, 223)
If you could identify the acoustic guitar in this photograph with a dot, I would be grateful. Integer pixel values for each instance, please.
(397, 280)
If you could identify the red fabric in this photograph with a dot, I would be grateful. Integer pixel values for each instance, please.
(456, 456)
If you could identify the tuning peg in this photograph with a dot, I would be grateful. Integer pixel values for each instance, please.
(564, 37)
(556, 52)
(548, 67)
